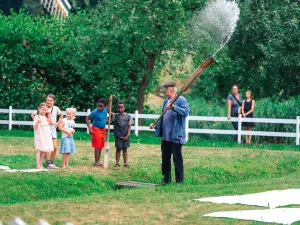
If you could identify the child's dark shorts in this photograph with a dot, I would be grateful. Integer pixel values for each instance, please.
(122, 143)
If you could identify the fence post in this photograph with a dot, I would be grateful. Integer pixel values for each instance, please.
(187, 127)
(297, 130)
(240, 129)
(88, 112)
(10, 118)
(136, 123)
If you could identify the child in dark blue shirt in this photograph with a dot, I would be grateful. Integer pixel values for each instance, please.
(122, 127)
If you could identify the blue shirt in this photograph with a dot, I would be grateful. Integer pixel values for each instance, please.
(234, 104)
(99, 118)
(168, 124)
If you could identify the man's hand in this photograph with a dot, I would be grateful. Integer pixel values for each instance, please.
(126, 137)
(152, 126)
(110, 98)
(91, 131)
(169, 106)
(229, 117)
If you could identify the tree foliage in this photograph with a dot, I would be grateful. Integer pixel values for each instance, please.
(117, 48)
(262, 56)
(120, 47)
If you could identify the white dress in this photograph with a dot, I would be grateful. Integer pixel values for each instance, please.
(42, 134)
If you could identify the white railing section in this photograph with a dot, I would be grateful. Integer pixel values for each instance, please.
(136, 128)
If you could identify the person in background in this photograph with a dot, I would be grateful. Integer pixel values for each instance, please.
(234, 103)
(42, 134)
(247, 112)
(122, 127)
(172, 130)
(54, 111)
(67, 131)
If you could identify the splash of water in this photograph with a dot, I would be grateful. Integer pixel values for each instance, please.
(216, 22)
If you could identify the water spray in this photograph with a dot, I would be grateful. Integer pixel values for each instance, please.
(217, 21)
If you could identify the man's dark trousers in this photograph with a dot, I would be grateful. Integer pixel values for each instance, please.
(169, 148)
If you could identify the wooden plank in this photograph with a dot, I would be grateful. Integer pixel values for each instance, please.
(212, 118)
(269, 134)
(148, 116)
(211, 131)
(135, 184)
(4, 121)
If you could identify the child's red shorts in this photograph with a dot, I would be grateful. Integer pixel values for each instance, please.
(98, 137)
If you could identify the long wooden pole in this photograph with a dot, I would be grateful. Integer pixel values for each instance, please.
(188, 83)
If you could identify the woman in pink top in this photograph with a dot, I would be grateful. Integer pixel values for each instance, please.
(42, 134)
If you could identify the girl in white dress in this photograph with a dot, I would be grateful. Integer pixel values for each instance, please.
(42, 133)
(67, 142)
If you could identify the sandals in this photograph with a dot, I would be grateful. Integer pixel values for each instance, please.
(98, 164)
(126, 166)
(117, 165)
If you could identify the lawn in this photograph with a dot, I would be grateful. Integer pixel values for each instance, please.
(88, 195)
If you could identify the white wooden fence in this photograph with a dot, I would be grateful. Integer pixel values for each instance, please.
(136, 128)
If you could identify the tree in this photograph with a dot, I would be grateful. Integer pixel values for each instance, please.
(263, 55)
(118, 48)
(142, 33)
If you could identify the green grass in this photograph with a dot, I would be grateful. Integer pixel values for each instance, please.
(87, 195)
(37, 187)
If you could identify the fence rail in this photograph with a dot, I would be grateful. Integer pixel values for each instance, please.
(136, 128)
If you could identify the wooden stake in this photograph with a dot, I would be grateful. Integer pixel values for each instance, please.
(107, 148)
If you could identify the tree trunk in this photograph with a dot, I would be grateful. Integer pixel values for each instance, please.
(144, 83)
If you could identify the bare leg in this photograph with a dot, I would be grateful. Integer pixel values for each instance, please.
(247, 136)
(125, 156)
(41, 159)
(97, 153)
(118, 155)
(63, 163)
(37, 159)
(67, 160)
(53, 154)
(47, 156)
(250, 136)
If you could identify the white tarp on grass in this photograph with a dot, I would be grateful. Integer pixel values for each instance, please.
(280, 215)
(6, 168)
(270, 199)
(27, 171)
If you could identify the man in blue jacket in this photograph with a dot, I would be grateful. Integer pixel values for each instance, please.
(172, 130)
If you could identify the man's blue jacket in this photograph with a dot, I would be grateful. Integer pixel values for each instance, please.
(181, 111)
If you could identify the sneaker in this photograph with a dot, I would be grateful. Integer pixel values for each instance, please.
(49, 166)
(53, 166)
(117, 165)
